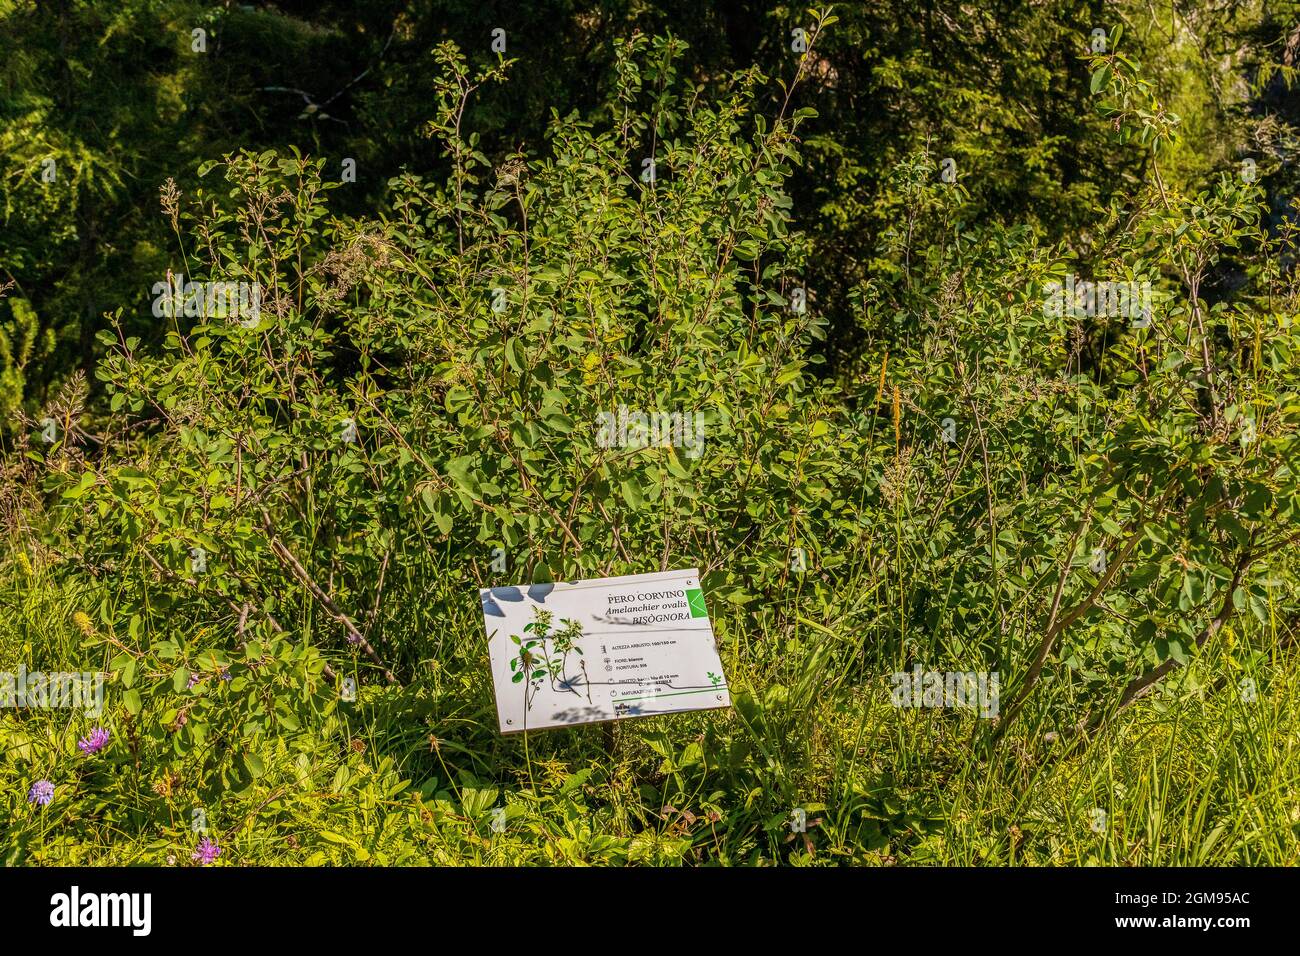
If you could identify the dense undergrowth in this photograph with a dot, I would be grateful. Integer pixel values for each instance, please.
(1204, 775)
(1100, 508)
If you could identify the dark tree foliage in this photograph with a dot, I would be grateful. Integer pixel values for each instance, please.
(116, 95)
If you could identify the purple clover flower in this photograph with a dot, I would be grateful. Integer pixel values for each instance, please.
(93, 742)
(206, 853)
(42, 792)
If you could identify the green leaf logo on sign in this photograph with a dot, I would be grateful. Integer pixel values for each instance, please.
(695, 598)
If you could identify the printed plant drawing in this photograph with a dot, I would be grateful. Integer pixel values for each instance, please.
(544, 655)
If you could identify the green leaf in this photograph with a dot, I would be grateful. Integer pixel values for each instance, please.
(132, 476)
(515, 355)
(331, 837)
(439, 505)
(1157, 534)
(559, 422)
(632, 493)
(477, 801)
(81, 487)
(1100, 79)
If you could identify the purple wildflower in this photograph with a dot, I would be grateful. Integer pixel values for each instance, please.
(42, 792)
(93, 742)
(194, 679)
(206, 853)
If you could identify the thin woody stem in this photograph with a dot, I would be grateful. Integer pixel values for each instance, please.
(295, 567)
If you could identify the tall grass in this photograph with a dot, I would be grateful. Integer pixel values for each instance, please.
(1196, 774)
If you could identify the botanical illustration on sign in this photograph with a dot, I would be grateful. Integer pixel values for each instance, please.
(543, 655)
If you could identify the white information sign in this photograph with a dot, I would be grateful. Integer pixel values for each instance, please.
(586, 651)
